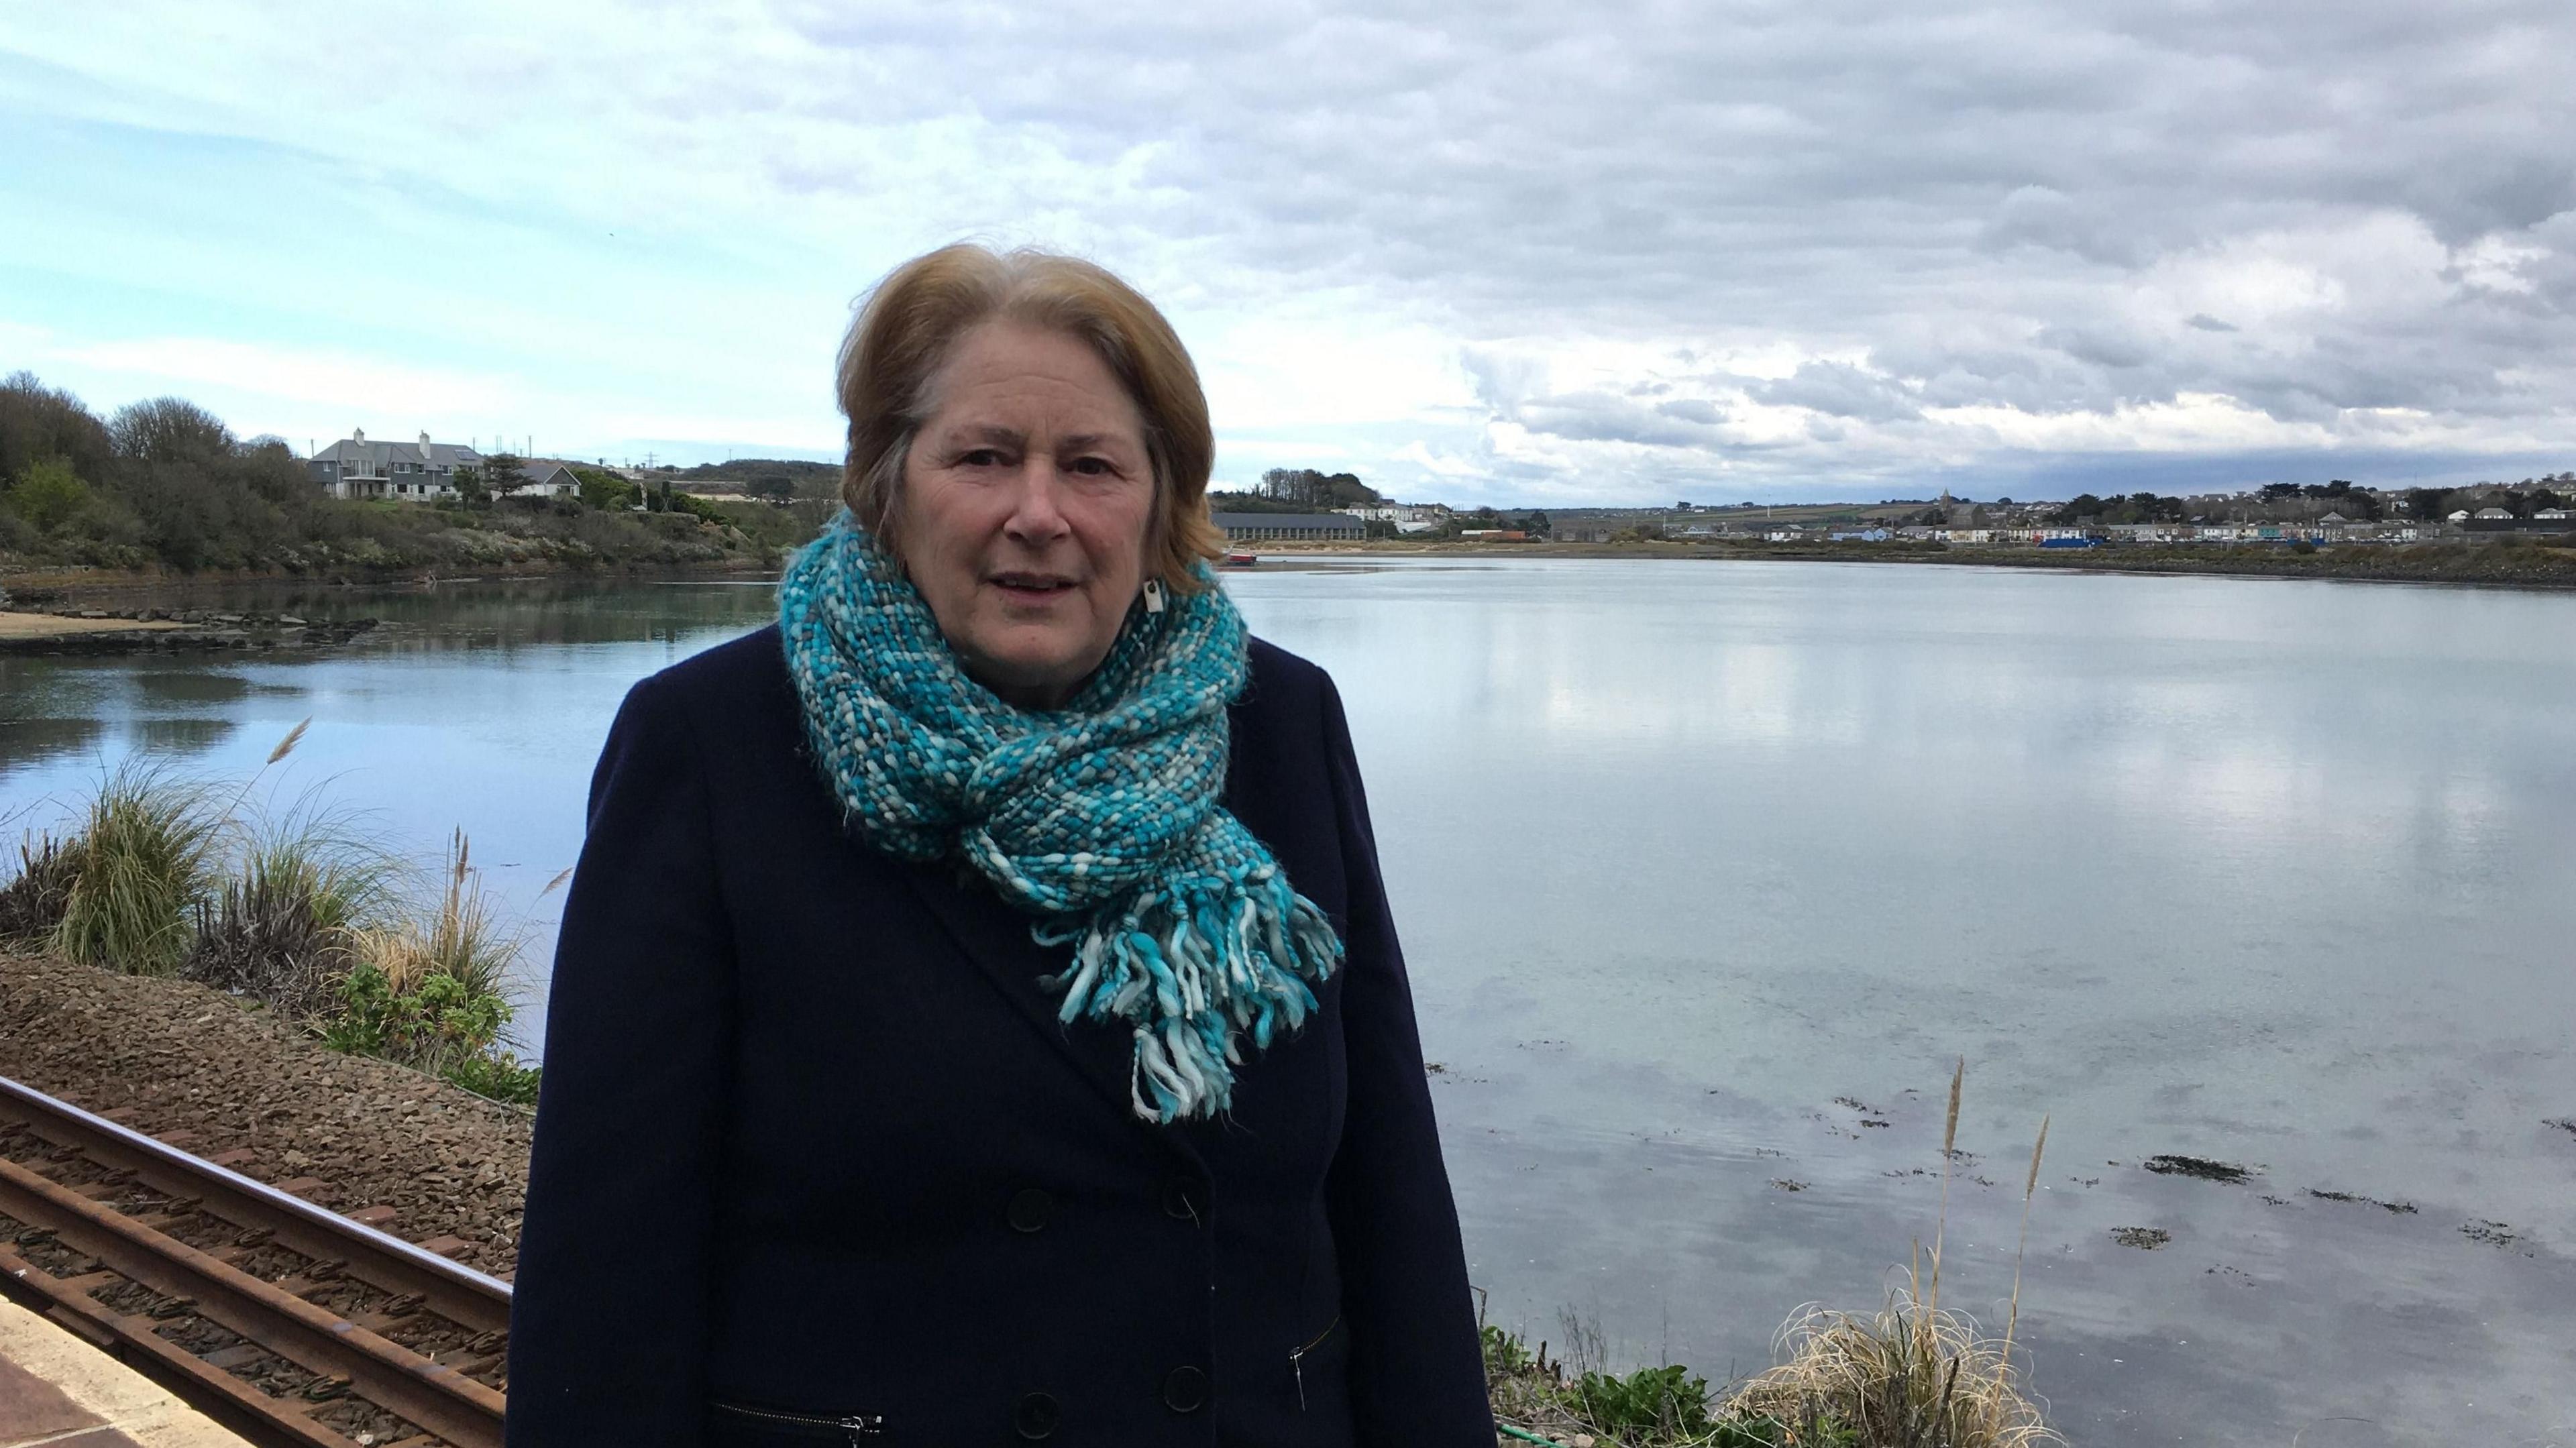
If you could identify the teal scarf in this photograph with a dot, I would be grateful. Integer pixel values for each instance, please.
(1101, 819)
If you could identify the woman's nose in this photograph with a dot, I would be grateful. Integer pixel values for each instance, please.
(1036, 514)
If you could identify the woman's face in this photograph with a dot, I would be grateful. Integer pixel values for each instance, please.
(1026, 496)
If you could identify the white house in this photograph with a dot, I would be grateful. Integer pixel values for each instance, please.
(423, 471)
(356, 468)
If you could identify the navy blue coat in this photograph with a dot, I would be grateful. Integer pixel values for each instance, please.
(812, 1143)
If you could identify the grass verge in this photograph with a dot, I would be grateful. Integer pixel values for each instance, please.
(303, 913)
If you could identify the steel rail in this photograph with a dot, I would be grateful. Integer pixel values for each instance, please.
(232, 1403)
(346, 1356)
(450, 1289)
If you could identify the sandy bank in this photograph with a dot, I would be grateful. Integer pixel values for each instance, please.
(15, 625)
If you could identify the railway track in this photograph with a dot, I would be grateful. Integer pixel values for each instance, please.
(290, 1324)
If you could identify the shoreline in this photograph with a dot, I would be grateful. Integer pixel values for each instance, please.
(2528, 569)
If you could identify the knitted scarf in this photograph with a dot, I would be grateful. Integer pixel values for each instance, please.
(1100, 818)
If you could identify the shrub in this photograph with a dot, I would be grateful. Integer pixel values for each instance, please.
(498, 1075)
(48, 494)
(1666, 1400)
(265, 936)
(432, 1021)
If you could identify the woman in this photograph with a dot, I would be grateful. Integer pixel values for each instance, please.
(977, 1017)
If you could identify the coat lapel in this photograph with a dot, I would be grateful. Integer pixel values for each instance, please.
(995, 938)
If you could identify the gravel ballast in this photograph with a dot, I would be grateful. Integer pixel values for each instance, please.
(171, 1055)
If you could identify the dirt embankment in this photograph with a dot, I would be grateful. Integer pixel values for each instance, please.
(170, 1055)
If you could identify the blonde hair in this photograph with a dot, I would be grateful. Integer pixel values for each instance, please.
(913, 320)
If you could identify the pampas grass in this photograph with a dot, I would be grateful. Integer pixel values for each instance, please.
(2029, 1190)
(146, 853)
(455, 932)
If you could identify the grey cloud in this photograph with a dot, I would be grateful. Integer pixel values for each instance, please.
(1796, 172)
(1839, 389)
(1974, 197)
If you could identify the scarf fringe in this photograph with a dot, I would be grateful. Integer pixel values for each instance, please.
(1193, 966)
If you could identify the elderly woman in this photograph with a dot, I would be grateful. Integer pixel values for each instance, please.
(977, 1017)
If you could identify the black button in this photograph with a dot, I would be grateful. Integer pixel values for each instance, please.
(1181, 1199)
(1185, 1390)
(1030, 1209)
(1036, 1416)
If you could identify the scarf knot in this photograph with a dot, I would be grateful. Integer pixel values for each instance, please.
(1101, 820)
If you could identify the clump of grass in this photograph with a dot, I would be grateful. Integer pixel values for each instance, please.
(145, 857)
(458, 935)
(1908, 1376)
(32, 903)
(281, 930)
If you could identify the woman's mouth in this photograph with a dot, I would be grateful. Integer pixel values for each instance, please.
(1032, 587)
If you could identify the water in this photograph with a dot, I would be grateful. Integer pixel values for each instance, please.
(1708, 872)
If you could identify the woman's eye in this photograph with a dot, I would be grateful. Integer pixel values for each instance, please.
(982, 457)
(1096, 467)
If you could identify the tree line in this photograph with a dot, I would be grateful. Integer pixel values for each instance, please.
(166, 483)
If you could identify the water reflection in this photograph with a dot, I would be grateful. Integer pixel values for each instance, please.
(1684, 853)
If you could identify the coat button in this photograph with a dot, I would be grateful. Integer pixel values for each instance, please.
(1185, 1390)
(1181, 1199)
(1030, 1209)
(1036, 1416)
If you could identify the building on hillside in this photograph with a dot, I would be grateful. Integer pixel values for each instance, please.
(547, 478)
(1290, 527)
(419, 472)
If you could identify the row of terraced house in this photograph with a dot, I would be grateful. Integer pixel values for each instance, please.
(423, 471)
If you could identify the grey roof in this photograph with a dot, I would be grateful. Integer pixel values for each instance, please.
(1287, 520)
(349, 450)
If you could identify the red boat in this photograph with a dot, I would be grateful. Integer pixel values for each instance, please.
(1239, 560)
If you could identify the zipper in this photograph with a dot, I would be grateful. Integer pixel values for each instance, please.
(854, 1426)
(1296, 1360)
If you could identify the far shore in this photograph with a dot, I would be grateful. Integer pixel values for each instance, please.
(2491, 565)
(2513, 564)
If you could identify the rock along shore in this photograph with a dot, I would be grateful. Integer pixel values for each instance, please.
(69, 629)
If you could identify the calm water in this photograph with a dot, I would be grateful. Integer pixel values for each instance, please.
(1709, 871)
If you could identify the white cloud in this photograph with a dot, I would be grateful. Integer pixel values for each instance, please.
(317, 378)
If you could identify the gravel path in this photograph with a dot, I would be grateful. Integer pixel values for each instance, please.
(170, 1055)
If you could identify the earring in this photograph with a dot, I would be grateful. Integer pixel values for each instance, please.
(1153, 595)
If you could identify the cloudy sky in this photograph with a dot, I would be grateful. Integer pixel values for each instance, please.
(1475, 251)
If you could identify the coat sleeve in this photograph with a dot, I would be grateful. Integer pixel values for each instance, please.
(608, 1319)
(1417, 1375)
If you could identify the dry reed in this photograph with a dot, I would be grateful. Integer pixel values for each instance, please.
(1908, 1376)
